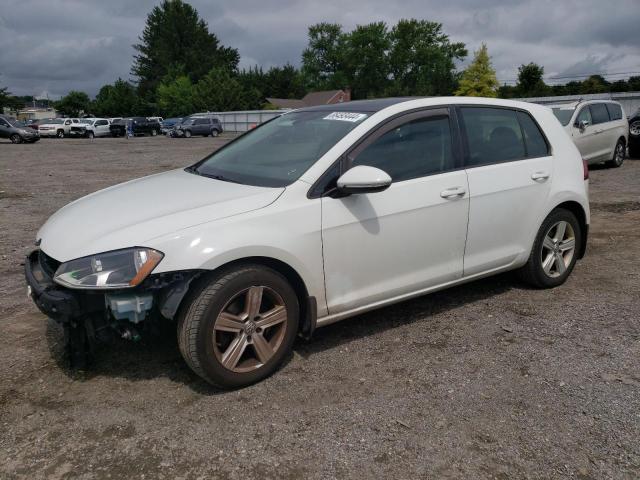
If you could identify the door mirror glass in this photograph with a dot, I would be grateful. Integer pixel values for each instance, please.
(363, 179)
(583, 124)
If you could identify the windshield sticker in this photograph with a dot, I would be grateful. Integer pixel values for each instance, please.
(346, 116)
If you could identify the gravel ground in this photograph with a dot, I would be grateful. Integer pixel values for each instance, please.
(486, 380)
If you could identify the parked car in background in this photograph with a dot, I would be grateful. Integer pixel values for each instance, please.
(92, 127)
(17, 131)
(598, 128)
(198, 125)
(167, 125)
(634, 135)
(318, 215)
(139, 126)
(58, 127)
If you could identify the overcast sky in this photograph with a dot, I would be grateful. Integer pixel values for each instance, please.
(53, 46)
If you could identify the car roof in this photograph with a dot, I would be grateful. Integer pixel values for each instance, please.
(359, 105)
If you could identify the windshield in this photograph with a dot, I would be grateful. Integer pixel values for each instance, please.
(188, 121)
(277, 153)
(564, 114)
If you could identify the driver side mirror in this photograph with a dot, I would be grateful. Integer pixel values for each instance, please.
(582, 125)
(363, 179)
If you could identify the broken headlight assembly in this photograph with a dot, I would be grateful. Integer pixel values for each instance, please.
(117, 269)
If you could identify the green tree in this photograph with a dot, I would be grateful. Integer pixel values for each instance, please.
(366, 61)
(4, 98)
(594, 84)
(323, 62)
(422, 59)
(174, 34)
(220, 91)
(530, 82)
(283, 82)
(479, 78)
(73, 104)
(176, 97)
(117, 100)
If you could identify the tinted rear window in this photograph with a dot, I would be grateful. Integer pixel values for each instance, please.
(533, 138)
(615, 111)
(599, 113)
(493, 135)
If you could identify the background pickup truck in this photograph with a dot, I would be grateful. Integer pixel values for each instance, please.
(141, 126)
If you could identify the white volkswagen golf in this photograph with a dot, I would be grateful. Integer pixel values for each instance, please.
(318, 215)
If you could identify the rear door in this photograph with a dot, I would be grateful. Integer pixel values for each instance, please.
(604, 131)
(409, 237)
(510, 170)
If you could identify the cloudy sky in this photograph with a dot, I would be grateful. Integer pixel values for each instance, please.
(53, 46)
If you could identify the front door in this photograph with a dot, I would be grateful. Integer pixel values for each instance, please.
(409, 237)
(586, 138)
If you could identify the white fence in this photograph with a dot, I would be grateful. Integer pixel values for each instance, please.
(630, 101)
(242, 121)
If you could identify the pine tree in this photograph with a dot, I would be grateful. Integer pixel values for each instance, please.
(479, 79)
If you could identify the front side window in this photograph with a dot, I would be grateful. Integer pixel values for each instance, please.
(414, 149)
(278, 152)
(584, 116)
(599, 113)
(493, 135)
(615, 111)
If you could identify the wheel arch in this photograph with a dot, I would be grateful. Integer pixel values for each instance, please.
(307, 303)
(577, 209)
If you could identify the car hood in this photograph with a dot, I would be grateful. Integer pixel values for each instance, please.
(134, 212)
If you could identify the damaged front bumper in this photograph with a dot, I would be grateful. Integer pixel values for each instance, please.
(158, 295)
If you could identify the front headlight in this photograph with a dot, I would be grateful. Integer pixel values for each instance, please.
(118, 269)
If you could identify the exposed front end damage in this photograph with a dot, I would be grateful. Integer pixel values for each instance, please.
(90, 317)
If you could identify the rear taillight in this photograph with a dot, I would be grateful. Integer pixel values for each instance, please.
(585, 169)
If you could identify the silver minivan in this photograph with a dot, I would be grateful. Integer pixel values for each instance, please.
(599, 129)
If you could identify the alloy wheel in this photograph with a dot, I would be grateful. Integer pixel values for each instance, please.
(634, 129)
(15, 138)
(619, 155)
(250, 329)
(558, 249)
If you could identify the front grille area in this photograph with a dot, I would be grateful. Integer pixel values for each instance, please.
(49, 265)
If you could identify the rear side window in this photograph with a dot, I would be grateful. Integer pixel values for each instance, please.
(414, 149)
(533, 138)
(493, 135)
(615, 111)
(599, 113)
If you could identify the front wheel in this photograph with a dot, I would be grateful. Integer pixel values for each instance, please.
(187, 134)
(238, 328)
(154, 133)
(618, 155)
(90, 135)
(554, 251)
(60, 134)
(15, 138)
(214, 133)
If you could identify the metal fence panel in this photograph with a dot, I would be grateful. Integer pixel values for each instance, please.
(241, 121)
(630, 101)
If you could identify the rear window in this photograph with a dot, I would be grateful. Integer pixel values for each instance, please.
(493, 135)
(599, 113)
(533, 138)
(615, 111)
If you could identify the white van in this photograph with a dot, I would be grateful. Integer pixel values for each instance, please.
(599, 128)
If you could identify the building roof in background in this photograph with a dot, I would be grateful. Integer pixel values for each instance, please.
(320, 98)
(287, 102)
(312, 99)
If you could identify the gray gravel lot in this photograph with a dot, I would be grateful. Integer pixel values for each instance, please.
(486, 380)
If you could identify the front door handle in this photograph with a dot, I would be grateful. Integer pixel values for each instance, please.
(539, 176)
(453, 192)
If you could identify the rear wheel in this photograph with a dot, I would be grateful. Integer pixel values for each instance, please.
(15, 138)
(618, 155)
(554, 251)
(238, 328)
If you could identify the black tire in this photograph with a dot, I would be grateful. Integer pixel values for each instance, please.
(60, 134)
(634, 151)
(154, 132)
(533, 272)
(214, 133)
(618, 155)
(200, 311)
(187, 134)
(15, 138)
(90, 134)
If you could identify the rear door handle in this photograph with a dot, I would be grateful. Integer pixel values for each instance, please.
(539, 176)
(453, 192)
